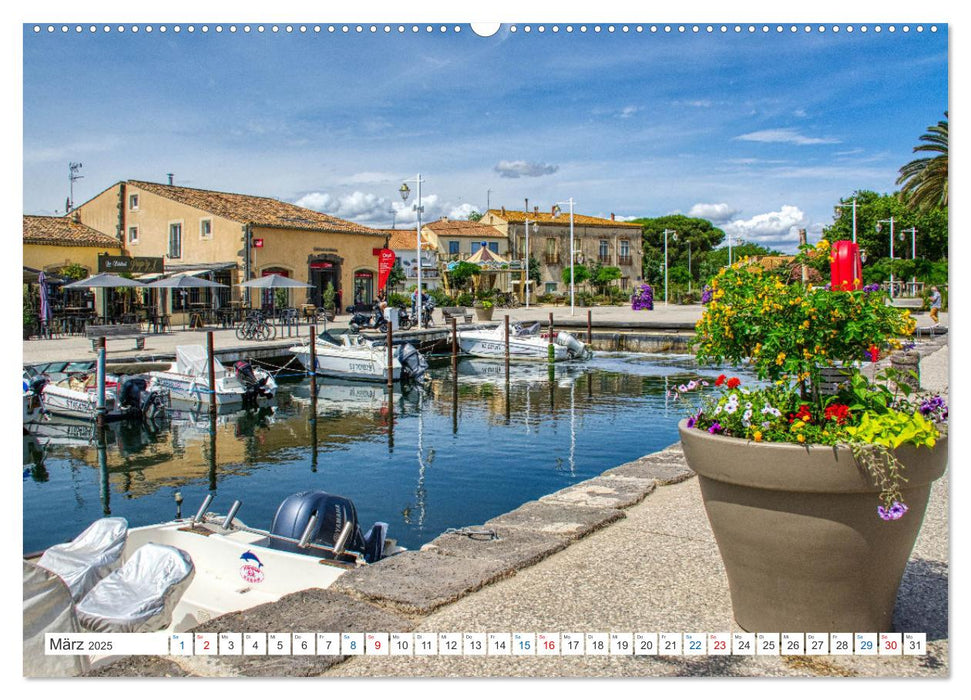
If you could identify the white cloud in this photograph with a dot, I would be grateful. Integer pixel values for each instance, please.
(462, 211)
(370, 178)
(777, 227)
(618, 217)
(361, 207)
(716, 213)
(520, 168)
(783, 136)
(629, 111)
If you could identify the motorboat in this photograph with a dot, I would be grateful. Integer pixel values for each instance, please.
(76, 396)
(187, 380)
(200, 567)
(526, 342)
(343, 396)
(352, 356)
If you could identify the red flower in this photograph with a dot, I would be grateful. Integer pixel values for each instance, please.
(838, 412)
(733, 383)
(874, 352)
(802, 414)
(720, 380)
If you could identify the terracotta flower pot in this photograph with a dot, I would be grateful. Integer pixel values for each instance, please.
(799, 534)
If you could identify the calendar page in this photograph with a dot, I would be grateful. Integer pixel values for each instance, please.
(548, 349)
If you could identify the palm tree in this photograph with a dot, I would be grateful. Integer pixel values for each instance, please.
(925, 180)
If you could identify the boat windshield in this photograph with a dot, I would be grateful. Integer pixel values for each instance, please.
(331, 338)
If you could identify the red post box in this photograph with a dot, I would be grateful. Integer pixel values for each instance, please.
(846, 270)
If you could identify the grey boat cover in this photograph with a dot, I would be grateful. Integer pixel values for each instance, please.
(141, 595)
(89, 557)
(48, 607)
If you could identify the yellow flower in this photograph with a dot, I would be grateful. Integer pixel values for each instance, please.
(757, 436)
(801, 438)
(805, 324)
(823, 244)
(798, 425)
(780, 358)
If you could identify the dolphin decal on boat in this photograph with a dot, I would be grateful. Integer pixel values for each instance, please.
(251, 558)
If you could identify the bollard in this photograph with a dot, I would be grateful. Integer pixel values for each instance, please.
(589, 326)
(455, 347)
(390, 362)
(211, 362)
(313, 365)
(100, 418)
(552, 352)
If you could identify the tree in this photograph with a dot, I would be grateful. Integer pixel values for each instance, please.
(924, 180)
(474, 215)
(601, 277)
(700, 233)
(581, 273)
(397, 275)
(534, 272)
(718, 258)
(462, 274)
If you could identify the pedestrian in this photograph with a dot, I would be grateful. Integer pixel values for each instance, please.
(935, 306)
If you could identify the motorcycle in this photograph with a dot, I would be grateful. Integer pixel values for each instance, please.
(373, 320)
(426, 315)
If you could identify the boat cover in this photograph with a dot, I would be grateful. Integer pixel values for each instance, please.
(89, 556)
(141, 595)
(48, 607)
(193, 361)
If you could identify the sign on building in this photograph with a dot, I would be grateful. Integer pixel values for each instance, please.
(123, 263)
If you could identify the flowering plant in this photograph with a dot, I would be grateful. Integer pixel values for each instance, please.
(643, 298)
(789, 332)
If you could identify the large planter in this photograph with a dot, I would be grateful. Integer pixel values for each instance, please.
(482, 313)
(798, 530)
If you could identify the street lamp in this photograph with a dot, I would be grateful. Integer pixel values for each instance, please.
(666, 232)
(836, 210)
(404, 191)
(879, 229)
(572, 255)
(525, 272)
(913, 255)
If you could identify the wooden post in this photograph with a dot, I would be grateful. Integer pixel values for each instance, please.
(455, 346)
(550, 347)
(313, 365)
(100, 416)
(211, 362)
(390, 365)
(507, 347)
(589, 326)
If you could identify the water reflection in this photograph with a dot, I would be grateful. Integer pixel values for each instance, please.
(475, 442)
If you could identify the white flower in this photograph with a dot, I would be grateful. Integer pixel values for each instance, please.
(718, 409)
(731, 408)
(747, 418)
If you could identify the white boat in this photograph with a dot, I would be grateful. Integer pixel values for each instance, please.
(526, 342)
(352, 356)
(220, 565)
(76, 396)
(187, 380)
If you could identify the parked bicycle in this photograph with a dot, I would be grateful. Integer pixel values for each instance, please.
(255, 327)
(507, 300)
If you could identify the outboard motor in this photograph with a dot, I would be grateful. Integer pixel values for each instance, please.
(413, 363)
(574, 348)
(136, 395)
(255, 387)
(332, 514)
(38, 383)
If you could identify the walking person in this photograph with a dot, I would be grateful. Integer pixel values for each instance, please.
(935, 306)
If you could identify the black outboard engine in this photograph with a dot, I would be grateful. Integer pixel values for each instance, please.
(332, 513)
(136, 396)
(255, 387)
(413, 363)
(38, 383)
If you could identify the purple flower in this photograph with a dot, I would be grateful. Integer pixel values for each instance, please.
(894, 512)
(871, 288)
(706, 294)
(715, 428)
(693, 420)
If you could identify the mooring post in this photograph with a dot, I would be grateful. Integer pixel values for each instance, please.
(390, 362)
(313, 365)
(211, 362)
(455, 346)
(507, 347)
(100, 416)
(552, 352)
(589, 326)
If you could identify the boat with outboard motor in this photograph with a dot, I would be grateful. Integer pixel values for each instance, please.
(187, 380)
(352, 356)
(526, 342)
(217, 564)
(75, 395)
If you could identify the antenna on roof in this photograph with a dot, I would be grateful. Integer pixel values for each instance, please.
(392, 211)
(72, 176)
(171, 176)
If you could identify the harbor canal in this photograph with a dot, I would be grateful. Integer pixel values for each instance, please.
(448, 455)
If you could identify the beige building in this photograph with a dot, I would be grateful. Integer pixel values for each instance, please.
(229, 238)
(54, 242)
(607, 241)
(403, 243)
(458, 240)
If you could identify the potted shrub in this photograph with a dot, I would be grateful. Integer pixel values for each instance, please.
(328, 300)
(815, 500)
(483, 310)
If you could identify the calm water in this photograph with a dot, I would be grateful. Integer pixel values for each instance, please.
(446, 456)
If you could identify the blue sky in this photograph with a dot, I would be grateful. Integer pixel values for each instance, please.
(761, 132)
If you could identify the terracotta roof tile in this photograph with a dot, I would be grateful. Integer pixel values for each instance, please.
(404, 239)
(458, 227)
(563, 218)
(64, 231)
(260, 211)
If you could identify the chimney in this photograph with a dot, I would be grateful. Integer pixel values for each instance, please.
(503, 211)
(76, 217)
(612, 217)
(553, 210)
(171, 176)
(527, 205)
(536, 210)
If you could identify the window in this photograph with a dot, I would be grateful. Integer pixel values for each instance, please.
(475, 245)
(551, 256)
(604, 250)
(551, 287)
(133, 235)
(453, 247)
(133, 202)
(494, 247)
(205, 229)
(175, 240)
(625, 248)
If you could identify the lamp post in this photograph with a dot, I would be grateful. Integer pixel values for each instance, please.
(405, 191)
(675, 236)
(526, 224)
(879, 229)
(572, 254)
(852, 204)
